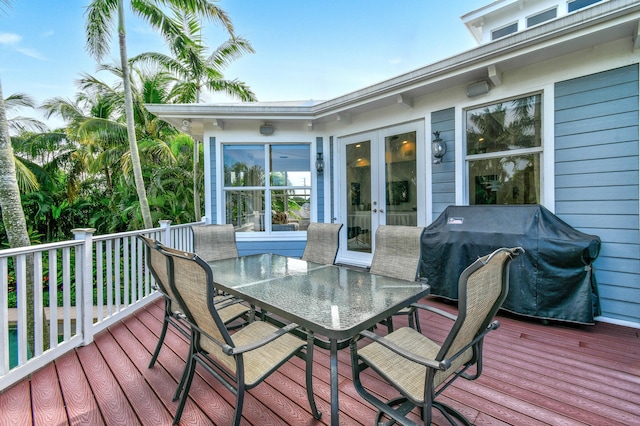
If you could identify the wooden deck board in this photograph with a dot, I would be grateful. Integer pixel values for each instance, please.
(534, 374)
(46, 397)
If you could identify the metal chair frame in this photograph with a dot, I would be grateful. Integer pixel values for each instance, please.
(422, 373)
(240, 361)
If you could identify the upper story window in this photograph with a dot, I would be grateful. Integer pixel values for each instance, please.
(504, 31)
(574, 5)
(504, 145)
(267, 187)
(541, 17)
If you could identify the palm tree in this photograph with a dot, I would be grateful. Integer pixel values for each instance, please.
(196, 71)
(101, 15)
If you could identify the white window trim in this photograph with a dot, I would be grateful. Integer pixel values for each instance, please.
(220, 199)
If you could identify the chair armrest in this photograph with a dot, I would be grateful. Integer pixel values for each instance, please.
(437, 365)
(255, 345)
(435, 311)
(494, 325)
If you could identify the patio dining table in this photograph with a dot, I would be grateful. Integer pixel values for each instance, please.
(330, 303)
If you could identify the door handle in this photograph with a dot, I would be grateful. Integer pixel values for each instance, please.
(375, 210)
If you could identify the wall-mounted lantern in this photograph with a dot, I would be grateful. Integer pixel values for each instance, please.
(319, 163)
(438, 148)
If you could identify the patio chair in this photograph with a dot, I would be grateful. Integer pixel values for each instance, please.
(421, 369)
(157, 265)
(397, 255)
(173, 311)
(322, 243)
(214, 242)
(242, 360)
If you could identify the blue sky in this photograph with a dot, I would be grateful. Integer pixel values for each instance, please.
(305, 49)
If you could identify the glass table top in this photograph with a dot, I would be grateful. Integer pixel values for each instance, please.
(330, 300)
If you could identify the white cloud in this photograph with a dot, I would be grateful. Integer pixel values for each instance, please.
(48, 34)
(13, 41)
(9, 38)
(32, 53)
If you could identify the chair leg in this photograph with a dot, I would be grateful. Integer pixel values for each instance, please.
(185, 372)
(185, 393)
(239, 403)
(449, 413)
(309, 373)
(389, 323)
(414, 320)
(163, 333)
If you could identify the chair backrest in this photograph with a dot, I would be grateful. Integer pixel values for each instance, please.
(159, 268)
(191, 279)
(482, 288)
(322, 243)
(214, 242)
(397, 252)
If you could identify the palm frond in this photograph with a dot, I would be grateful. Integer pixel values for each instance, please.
(101, 16)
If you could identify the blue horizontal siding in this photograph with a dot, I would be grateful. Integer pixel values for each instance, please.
(597, 191)
(603, 179)
(443, 175)
(285, 248)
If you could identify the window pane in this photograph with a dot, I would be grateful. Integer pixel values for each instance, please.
(245, 210)
(290, 165)
(290, 209)
(579, 4)
(243, 165)
(541, 17)
(506, 126)
(510, 29)
(506, 180)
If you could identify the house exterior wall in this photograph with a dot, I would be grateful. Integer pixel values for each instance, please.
(443, 175)
(589, 162)
(596, 178)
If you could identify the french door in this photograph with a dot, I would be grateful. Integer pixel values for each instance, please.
(379, 186)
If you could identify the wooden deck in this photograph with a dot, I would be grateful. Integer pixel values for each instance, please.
(534, 375)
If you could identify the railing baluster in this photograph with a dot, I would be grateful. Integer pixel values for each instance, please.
(116, 278)
(4, 316)
(110, 277)
(66, 293)
(38, 308)
(21, 296)
(53, 298)
(99, 281)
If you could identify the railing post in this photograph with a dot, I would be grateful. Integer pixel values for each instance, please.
(84, 312)
(165, 225)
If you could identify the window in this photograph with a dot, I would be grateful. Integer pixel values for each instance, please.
(542, 17)
(574, 5)
(503, 152)
(504, 31)
(278, 176)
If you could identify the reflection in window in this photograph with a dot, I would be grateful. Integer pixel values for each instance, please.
(503, 152)
(505, 180)
(287, 191)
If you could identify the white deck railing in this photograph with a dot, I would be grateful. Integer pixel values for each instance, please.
(110, 279)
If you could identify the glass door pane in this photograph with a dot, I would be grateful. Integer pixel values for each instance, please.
(400, 191)
(358, 202)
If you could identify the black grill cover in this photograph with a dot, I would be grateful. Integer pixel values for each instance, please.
(552, 280)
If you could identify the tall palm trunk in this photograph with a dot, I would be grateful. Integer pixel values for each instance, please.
(131, 131)
(13, 218)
